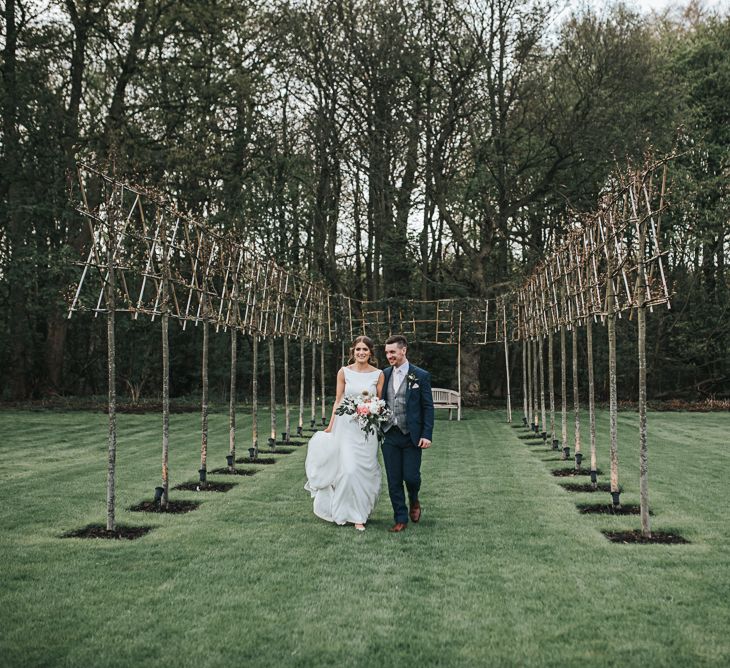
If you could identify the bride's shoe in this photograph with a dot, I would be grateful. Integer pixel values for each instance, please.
(360, 527)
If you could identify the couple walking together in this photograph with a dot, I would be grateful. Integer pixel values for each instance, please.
(343, 474)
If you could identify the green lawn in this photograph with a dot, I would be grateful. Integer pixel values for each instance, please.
(502, 570)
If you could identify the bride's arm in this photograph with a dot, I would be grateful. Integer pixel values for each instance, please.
(381, 383)
(338, 397)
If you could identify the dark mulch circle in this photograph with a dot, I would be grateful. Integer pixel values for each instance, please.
(570, 473)
(528, 437)
(658, 537)
(237, 471)
(100, 531)
(295, 444)
(586, 487)
(282, 451)
(173, 507)
(208, 487)
(258, 460)
(610, 509)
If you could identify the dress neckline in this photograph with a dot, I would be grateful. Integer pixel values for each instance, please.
(362, 373)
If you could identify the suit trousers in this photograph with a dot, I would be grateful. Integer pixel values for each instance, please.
(402, 462)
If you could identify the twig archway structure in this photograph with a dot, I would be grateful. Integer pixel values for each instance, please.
(148, 258)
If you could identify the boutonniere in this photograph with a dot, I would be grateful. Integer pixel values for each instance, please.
(412, 380)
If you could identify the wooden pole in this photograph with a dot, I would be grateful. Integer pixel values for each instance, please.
(576, 405)
(272, 393)
(111, 464)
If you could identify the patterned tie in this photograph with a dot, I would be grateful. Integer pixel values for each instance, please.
(398, 379)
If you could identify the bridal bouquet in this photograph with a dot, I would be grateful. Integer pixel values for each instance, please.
(369, 411)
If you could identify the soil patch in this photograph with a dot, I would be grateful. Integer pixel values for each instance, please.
(258, 460)
(236, 471)
(100, 531)
(282, 451)
(208, 487)
(295, 444)
(570, 473)
(586, 487)
(610, 509)
(173, 507)
(659, 537)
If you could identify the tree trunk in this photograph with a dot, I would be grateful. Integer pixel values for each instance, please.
(564, 393)
(470, 355)
(322, 380)
(541, 370)
(612, 401)
(641, 289)
(525, 418)
(313, 395)
(591, 400)
(232, 404)
(535, 382)
(551, 383)
(204, 401)
(528, 343)
(287, 416)
(506, 363)
(576, 404)
(112, 374)
(165, 393)
(272, 394)
(255, 395)
(300, 426)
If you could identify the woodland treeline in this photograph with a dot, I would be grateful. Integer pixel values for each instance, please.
(393, 148)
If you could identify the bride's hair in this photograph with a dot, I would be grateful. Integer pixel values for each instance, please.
(371, 347)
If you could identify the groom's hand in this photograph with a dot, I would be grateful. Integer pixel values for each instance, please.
(424, 443)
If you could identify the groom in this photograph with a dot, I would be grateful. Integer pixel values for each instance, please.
(408, 395)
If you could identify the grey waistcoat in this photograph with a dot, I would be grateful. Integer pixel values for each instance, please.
(397, 403)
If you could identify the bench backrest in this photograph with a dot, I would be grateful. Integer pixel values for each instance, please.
(444, 396)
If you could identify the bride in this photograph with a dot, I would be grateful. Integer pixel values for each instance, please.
(343, 474)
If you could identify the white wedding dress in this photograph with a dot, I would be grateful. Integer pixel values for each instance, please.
(343, 474)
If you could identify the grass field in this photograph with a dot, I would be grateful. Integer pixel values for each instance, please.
(502, 569)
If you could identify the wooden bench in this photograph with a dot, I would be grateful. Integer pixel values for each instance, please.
(451, 399)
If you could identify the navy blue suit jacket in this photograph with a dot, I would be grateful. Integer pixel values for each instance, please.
(419, 402)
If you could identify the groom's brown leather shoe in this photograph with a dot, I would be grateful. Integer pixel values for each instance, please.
(415, 512)
(398, 527)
